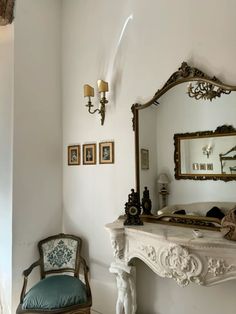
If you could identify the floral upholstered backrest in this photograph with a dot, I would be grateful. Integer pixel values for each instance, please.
(60, 253)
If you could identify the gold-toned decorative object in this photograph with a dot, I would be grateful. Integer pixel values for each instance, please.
(202, 222)
(206, 91)
(186, 169)
(6, 12)
(106, 153)
(89, 92)
(74, 155)
(226, 160)
(207, 150)
(89, 154)
(144, 159)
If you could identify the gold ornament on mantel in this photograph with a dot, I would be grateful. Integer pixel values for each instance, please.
(6, 12)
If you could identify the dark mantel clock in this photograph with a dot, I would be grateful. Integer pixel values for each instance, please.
(133, 210)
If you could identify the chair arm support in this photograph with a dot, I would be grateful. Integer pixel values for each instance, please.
(86, 270)
(26, 273)
(85, 266)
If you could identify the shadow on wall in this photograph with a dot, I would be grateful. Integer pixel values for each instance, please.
(1, 301)
(113, 70)
(75, 231)
(149, 293)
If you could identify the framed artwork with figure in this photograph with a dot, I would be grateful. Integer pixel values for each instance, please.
(144, 159)
(89, 154)
(74, 155)
(106, 153)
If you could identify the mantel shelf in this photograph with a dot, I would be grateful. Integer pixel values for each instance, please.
(171, 252)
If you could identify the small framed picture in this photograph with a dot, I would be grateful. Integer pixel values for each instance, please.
(144, 159)
(209, 166)
(195, 166)
(89, 154)
(106, 153)
(202, 166)
(74, 155)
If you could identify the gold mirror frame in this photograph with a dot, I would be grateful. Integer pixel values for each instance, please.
(206, 88)
(221, 131)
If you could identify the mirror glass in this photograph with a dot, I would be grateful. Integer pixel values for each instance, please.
(205, 155)
(177, 113)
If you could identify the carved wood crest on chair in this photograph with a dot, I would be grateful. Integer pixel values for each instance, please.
(59, 292)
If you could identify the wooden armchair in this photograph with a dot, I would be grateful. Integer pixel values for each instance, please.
(59, 292)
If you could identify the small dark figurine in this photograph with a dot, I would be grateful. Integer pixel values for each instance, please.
(133, 210)
(146, 202)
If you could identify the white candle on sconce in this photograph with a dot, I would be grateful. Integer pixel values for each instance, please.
(102, 86)
(88, 91)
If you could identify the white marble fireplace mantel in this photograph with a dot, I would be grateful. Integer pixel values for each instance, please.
(171, 252)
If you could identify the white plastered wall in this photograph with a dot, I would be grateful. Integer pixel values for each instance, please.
(6, 112)
(37, 175)
(157, 36)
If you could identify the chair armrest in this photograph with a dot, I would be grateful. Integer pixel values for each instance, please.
(86, 270)
(26, 273)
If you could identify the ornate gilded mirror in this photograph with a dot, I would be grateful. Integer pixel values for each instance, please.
(206, 155)
(192, 110)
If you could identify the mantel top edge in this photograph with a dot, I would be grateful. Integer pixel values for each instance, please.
(173, 234)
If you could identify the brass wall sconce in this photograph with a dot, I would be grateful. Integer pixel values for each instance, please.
(207, 150)
(89, 92)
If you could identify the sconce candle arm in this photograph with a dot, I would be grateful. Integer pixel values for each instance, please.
(101, 111)
(89, 92)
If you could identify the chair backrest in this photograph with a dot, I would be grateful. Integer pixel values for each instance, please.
(60, 253)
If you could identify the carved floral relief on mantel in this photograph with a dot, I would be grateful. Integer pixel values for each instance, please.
(174, 261)
(201, 261)
(218, 267)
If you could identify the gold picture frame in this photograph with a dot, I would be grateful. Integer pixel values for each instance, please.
(203, 167)
(106, 153)
(89, 154)
(210, 166)
(144, 159)
(73, 154)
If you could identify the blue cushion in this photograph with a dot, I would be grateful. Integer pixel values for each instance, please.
(55, 292)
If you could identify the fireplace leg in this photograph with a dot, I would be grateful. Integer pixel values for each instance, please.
(125, 280)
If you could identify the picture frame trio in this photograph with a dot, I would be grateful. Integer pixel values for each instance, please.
(89, 154)
(202, 166)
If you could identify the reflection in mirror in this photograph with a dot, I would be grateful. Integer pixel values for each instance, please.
(206, 155)
(189, 102)
(178, 113)
(148, 142)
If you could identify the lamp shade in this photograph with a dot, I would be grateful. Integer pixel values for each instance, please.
(163, 179)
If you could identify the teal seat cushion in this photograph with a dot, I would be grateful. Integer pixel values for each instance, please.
(55, 292)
